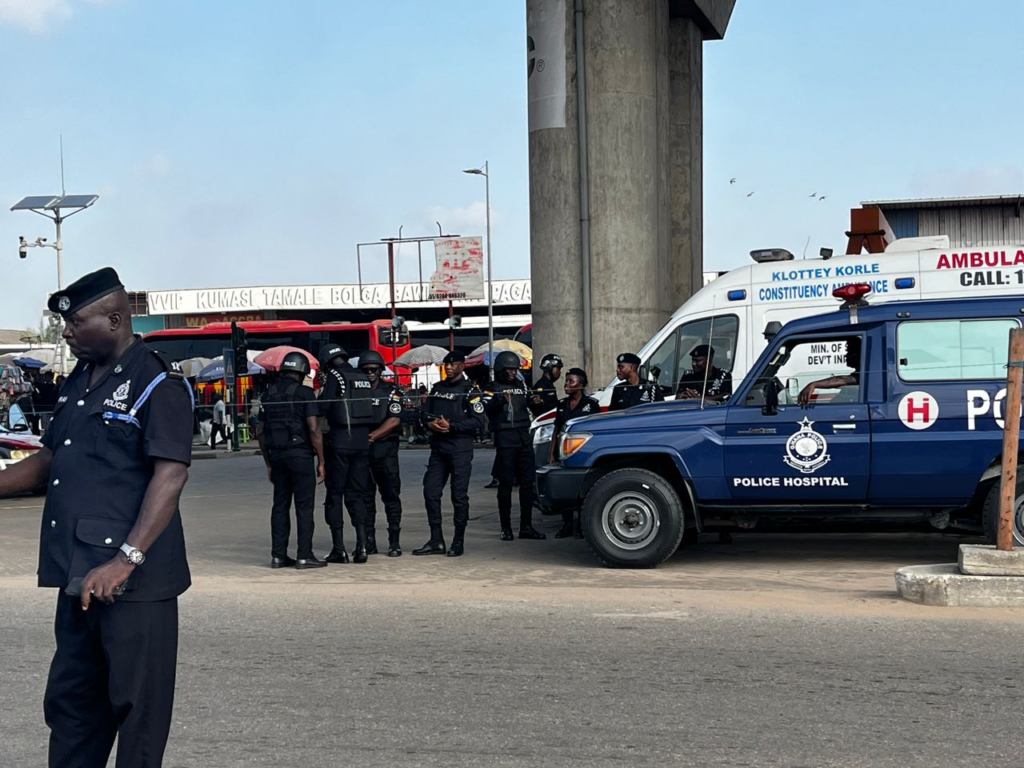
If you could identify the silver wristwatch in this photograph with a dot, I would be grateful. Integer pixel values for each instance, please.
(135, 556)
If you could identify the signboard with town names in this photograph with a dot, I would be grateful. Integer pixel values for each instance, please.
(205, 301)
(460, 269)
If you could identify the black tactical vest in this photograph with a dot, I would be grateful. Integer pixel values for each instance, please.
(514, 414)
(353, 407)
(284, 426)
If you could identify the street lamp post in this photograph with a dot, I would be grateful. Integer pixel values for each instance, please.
(51, 206)
(486, 173)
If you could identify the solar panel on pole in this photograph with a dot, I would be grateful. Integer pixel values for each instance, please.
(35, 201)
(73, 201)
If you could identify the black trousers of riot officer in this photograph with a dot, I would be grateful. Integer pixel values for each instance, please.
(448, 463)
(386, 478)
(112, 676)
(515, 464)
(348, 479)
(293, 475)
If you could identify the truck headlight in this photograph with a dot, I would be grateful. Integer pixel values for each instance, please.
(543, 434)
(21, 455)
(572, 442)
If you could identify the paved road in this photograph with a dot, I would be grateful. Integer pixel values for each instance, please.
(781, 650)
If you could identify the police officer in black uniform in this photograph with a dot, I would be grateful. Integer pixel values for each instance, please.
(452, 417)
(704, 380)
(631, 390)
(289, 438)
(545, 396)
(576, 404)
(506, 404)
(385, 432)
(346, 404)
(115, 460)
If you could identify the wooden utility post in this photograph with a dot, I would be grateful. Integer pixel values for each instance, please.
(1011, 440)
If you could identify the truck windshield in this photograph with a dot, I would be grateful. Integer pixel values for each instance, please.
(672, 362)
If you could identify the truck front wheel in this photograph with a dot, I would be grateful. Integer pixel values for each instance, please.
(990, 512)
(632, 518)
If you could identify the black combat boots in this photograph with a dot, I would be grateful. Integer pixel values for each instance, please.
(371, 541)
(436, 544)
(360, 552)
(338, 553)
(458, 541)
(394, 548)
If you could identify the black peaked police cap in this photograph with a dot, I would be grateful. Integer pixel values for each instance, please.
(84, 291)
(454, 357)
(629, 358)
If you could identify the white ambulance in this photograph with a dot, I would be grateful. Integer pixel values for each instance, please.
(734, 312)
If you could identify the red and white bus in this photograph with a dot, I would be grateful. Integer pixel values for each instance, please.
(212, 339)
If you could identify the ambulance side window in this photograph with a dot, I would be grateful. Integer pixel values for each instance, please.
(672, 358)
(953, 350)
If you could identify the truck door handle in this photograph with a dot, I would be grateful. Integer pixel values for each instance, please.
(844, 426)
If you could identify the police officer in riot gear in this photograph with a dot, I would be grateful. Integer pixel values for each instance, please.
(631, 390)
(347, 405)
(576, 404)
(545, 396)
(506, 404)
(451, 416)
(385, 432)
(288, 440)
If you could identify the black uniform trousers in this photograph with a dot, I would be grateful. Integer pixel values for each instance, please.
(448, 462)
(293, 476)
(112, 675)
(515, 463)
(348, 480)
(386, 478)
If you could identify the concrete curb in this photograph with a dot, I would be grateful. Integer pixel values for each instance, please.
(944, 585)
(242, 453)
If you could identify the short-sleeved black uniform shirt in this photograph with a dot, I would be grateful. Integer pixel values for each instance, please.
(104, 442)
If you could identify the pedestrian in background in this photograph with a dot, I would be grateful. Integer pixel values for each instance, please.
(219, 419)
(545, 394)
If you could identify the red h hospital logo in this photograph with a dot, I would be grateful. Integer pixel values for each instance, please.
(918, 410)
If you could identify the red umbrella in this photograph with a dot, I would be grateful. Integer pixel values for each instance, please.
(271, 358)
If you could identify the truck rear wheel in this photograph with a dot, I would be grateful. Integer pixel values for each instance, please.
(633, 518)
(990, 512)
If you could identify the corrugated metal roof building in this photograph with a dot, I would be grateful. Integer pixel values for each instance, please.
(968, 221)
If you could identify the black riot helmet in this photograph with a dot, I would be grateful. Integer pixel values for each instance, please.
(330, 355)
(505, 360)
(371, 357)
(550, 361)
(295, 362)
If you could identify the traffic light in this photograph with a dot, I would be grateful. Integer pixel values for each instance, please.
(240, 344)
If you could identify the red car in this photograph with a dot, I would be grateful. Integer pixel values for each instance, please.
(16, 446)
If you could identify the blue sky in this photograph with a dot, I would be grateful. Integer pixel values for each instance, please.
(251, 143)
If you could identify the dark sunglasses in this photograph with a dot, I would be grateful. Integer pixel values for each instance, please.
(373, 369)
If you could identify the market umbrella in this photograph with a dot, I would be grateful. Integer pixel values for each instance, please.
(215, 370)
(503, 345)
(29, 362)
(193, 366)
(428, 354)
(271, 359)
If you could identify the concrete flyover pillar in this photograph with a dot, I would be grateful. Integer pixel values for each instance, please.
(615, 187)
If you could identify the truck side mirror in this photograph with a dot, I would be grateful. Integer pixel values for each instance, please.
(771, 399)
(792, 389)
(772, 329)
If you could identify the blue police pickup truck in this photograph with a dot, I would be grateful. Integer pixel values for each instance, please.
(905, 429)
